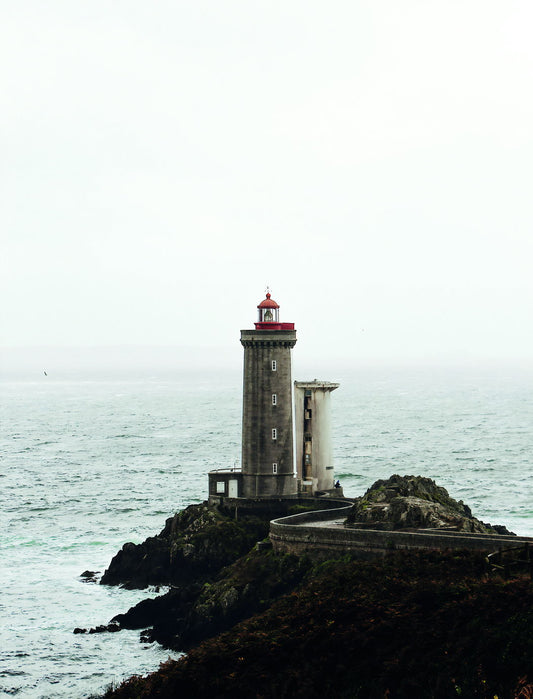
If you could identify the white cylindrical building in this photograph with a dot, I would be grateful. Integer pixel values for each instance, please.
(314, 453)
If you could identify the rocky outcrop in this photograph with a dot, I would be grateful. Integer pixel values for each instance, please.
(89, 576)
(219, 570)
(193, 546)
(415, 502)
(187, 615)
(412, 624)
(220, 575)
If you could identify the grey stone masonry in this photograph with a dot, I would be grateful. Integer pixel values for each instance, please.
(267, 442)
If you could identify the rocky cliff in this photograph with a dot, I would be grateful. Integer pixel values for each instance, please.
(217, 572)
(425, 624)
(340, 628)
(193, 546)
(189, 614)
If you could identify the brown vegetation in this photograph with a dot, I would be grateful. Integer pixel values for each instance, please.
(412, 625)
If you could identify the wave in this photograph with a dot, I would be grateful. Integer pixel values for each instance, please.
(127, 436)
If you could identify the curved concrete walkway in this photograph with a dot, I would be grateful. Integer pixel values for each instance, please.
(322, 532)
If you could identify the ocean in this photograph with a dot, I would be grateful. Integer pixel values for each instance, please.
(91, 461)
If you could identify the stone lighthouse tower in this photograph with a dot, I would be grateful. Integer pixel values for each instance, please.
(267, 442)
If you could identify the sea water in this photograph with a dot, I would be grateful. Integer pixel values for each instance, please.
(89, 462)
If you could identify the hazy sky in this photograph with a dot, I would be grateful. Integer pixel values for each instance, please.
(371, 161)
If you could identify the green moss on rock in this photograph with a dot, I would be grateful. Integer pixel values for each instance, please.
(402, 502)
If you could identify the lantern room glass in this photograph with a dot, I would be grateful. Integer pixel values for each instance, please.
(269, 315)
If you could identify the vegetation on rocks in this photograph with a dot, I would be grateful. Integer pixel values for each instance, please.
(194, 555)
(189, 614)
(259, 624)
(427, 624)
(402, 502)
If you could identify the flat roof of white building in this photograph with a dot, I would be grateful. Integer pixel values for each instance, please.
(324, 385)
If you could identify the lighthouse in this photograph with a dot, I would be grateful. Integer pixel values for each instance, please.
(267, 438)
(267, 470)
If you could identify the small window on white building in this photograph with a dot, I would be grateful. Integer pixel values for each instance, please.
(274, 468)
(274, 399)
(274, 433)
(274, 365)
(221, 487)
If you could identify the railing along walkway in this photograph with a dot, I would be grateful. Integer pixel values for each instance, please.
(512, 559)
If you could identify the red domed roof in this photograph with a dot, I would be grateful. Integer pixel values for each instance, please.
(268, 303)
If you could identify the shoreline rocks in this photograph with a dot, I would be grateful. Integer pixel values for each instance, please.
(412, 624)
(90, 576)
(194, 545)
(220, 578)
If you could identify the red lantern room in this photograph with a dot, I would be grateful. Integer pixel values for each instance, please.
(269, 316)
(268, 311)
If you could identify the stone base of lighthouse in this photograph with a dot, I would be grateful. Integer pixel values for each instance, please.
(257, 485)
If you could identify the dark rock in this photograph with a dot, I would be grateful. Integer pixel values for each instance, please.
(89, 576)
(189, 553)
(173, 605)
(186, 615)
(109, 628)
(500, 529)
(247, 587)
(193, 546)
(146, 636)
(78, 630)
(414, 502)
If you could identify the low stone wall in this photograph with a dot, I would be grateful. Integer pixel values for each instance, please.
(296, 534)
(275, 507)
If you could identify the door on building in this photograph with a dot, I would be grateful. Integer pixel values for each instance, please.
(233, 488)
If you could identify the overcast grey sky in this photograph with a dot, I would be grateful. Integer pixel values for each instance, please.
(371, 161)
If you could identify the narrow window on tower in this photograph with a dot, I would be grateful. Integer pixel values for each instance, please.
(274, 468)
(274, 399)
(274, 433)
(274, 365)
